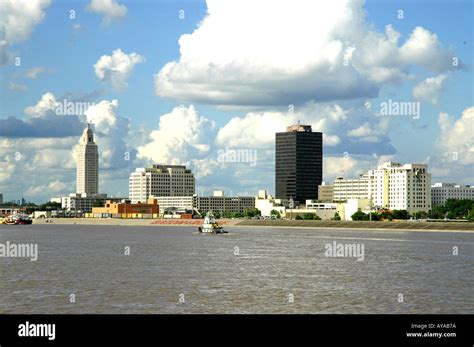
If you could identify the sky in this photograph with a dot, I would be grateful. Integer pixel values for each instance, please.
(191, 82)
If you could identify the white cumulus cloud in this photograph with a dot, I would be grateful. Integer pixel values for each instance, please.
(110, 9)
(456, 139)
(44, 106)
(17, 21)
(423, 48)
(254, 130)
(259, 53)
(116, 68)
(429, 89)
(30, 166)
(102, 115)
(183, 136)
(346, 166)
(331, 140)
(257, 129)
(56, 186)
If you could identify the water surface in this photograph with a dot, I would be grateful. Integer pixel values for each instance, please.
(250, 270)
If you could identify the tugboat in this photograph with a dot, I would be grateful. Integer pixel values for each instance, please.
(210, 226)
(17, 219)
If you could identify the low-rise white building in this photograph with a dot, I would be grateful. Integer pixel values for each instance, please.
(325, 211)
(178, 202)
(440, 192)
(218, 202)
(8, 210)
(265, 203)
(351, 206)
(314, 204)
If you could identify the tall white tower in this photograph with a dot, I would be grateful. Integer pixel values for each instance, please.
(87, 179)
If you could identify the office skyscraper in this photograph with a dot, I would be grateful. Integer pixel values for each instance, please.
(87, 179)
(298, 163)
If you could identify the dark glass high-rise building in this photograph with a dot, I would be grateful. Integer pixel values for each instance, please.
(298, 163)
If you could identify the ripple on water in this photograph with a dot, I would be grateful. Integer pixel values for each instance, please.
(272, 265)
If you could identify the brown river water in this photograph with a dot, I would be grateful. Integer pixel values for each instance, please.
(249, 270)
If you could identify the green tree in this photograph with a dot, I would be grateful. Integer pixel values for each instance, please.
(308, 216)
(359, 215)
(438, 212)
(298, 217)
(226, 214)
(10, 203)
(316, 217)
(470, 216)
(252, 212)
(452, 215)
(386, 214)
(336, 216)
(275, 213)
(400, 214)
(420, 215)
(238, 215)
(458, 208)
(453, 209)
(375, 216)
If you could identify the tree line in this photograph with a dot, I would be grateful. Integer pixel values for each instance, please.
(452, 209)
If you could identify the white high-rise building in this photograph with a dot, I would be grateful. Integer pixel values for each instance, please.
(440, 192)
(392, 185)
(401, 187)
(87, 179)
(160, 181)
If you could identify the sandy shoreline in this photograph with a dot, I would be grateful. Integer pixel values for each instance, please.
(124, 222)
(379, 226)
(376, 226)
(362, 229)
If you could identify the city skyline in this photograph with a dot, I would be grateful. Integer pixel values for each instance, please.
(279, 162)
(380, 84)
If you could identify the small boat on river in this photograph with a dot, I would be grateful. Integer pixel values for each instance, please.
(210, 225)
(17, 219)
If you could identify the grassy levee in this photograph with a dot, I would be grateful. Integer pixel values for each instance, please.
(464, 226)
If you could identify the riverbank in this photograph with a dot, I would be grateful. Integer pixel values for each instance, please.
(354, 225)
(129, 222)
(312, 224)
